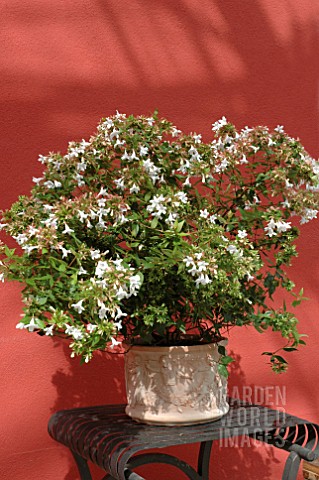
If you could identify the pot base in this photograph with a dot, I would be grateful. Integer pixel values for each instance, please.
(163, 420)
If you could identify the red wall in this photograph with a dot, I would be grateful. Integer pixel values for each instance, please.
(65, 64)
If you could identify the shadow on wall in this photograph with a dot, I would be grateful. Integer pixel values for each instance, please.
(96, 383)
(242, 456)
(194, 62)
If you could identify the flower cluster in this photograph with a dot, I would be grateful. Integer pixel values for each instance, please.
(146, 233)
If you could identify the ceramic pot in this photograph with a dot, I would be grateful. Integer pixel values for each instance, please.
(175, 385)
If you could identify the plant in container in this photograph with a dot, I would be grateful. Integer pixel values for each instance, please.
(147, 235)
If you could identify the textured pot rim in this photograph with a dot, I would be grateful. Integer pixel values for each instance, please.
(176, 348)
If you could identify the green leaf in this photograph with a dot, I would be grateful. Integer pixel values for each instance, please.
(9, 252)
(222, 370)
(140, 274)
(226, 360)
(222, 350)
(135, 229)
(42, 300)
(154, 222)
(180, 225)
(279, 358)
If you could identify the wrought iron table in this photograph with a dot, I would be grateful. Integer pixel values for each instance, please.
(111, 440)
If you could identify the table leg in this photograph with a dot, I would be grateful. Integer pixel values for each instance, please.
(204, 459)
(291, 467)
(82, 465)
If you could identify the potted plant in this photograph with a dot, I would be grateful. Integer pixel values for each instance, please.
(151, 236)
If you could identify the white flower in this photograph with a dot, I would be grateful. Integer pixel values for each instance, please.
(134, 188)
(243, 160)
(52, 221)
(108, 123)
(171, 218)
(102, 192)
(32, 325)
(95, 254)
(114, 342)
(120, 183)
(125, 156)
(115, 134)
(101, 268)
(28, 248)
(68, 329)
(93, 214)
(242, 234)
(48, 208)
(32, 231)
(91, 327)
(151, 169)
(249, 277)
(118, 325)
(156, 203)
(37, 180)
(21, 238)
(54, 184)
(3, 225)
(103, 310)
(182, 197)
(202, 280)
(42, 159)
(121, 293)
(279, 129)
(119, 313)
(283, 226)
(118, 264)
(187, 183)
(78, 306)
(204, 213)
(175, 132)
(135, 283)
(75, 332)
(79, 179)
(189, 261)
(49, 330)
(133, 156)
(270, 228)
(21, 326)
(213, 219)
(67, 229)
(232, 249)
(143, 151)
(81, 166)
(224, 164)
(219, 124)
(197, 138)
(65, 252)
(1, 277)
(202, 266)
(309, 214)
